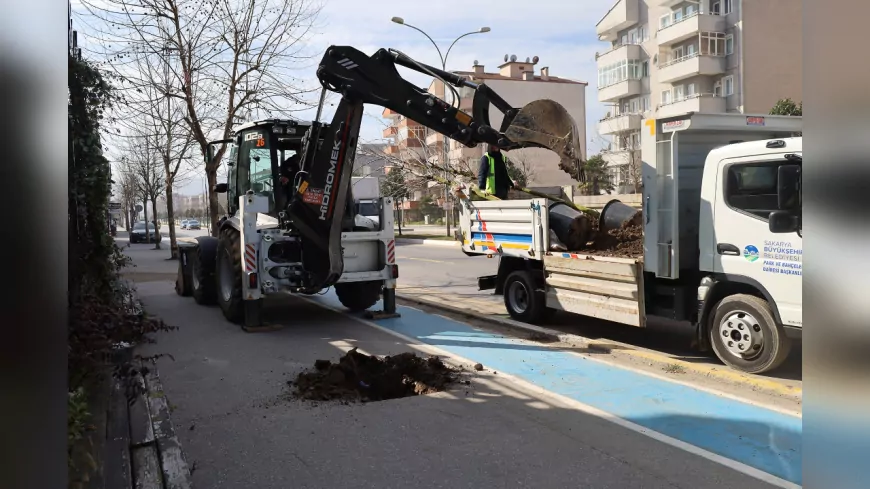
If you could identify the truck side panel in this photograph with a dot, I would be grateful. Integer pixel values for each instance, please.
(510, 227)
(605, 288)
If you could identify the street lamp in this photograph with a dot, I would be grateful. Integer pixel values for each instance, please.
(448, 212)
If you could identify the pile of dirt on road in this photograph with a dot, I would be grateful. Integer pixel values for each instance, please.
(357, 376)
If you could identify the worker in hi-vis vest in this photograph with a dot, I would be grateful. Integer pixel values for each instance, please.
(493, 176)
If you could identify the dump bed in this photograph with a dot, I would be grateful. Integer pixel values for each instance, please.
(604, 287)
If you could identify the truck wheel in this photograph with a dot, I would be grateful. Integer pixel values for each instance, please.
(359, 296)
(745, 335)
(202, 262)
(522, 299)
(229, 276)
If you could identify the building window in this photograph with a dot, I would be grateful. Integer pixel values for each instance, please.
(729, 44)
(664, 21)
(712, 43)
(645, 68)
(619, 72)
(691, 10)
(716, 8)
(666, 97)
(643, 33)
(644, 103)
(717, 89)
(728, 7)
(632, 36)
(677, 53)
(691, 90)
(691, 50)
(728, 85)
(679, 93)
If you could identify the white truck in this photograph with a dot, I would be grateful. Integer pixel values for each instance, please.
(366, 196)
(722, 244)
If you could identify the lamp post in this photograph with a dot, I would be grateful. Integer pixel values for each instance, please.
(448, 211)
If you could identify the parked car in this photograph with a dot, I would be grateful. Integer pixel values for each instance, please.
(193, 224)
(138, 234)
(184, 223)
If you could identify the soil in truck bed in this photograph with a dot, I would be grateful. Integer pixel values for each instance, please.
(626, 242)
(360, 377)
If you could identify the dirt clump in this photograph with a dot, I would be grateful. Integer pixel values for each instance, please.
(625, 242)
(362, 377)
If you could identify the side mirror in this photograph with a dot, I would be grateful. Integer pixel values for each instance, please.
(220, 188)
(781, 221)
(788, 187)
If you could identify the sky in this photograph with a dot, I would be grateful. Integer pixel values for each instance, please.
(560, 33)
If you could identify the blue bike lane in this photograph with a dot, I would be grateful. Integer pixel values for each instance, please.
(760, 438)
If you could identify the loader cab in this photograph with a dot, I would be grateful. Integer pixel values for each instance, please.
(258, 150)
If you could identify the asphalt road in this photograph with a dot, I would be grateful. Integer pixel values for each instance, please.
(228, 394)
(438, 266)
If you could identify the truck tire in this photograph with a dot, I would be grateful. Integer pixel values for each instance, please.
(228, 275)
(359, 296)
(523, 299)
(745, 335)
(202, 265)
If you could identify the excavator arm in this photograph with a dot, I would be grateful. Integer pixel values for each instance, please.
(321, 208)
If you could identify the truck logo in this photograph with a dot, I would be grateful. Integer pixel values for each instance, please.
(750, 252)
(330, 179)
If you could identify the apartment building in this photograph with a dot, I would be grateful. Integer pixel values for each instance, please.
(673, 57)
(518, 83)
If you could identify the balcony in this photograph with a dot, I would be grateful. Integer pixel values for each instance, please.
(665, 3)
(391, 131)
(392, 150)
(705, 103)
(690, 26)
(625, 88)
(689, 66)
(623, 14)
(624, 52)
(619, 123)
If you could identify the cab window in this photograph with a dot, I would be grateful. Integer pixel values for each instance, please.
(751, 188)
(254, 168)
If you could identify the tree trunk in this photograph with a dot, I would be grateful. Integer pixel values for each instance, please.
(170, 212)
(154, 208)
(147, 224)
(211, 176)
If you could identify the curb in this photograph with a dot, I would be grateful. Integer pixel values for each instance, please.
(430, 242)
(159, 447)
(538, 333)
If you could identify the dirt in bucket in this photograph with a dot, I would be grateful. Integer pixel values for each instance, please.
(362, 377)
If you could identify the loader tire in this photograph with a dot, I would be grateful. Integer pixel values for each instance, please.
(202, 264)
(359, 296)
(228, 275)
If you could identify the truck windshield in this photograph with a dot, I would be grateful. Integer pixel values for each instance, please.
(254, 169)
(368, 209)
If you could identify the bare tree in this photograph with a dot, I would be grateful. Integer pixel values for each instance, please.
(142, 160)
(623, 150)
(235, 60)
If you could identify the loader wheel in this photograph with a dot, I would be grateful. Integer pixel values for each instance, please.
(229, 276)
(184, 277)
(359, 296)
(202, 275)
(522, 299)
(745, 335)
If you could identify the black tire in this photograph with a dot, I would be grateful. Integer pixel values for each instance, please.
(747, 321)
(359, 296)
(229, 269)
(523, 298)
(183, 278)
(133, 240)
(202, 264)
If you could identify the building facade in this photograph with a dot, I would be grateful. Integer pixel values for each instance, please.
(673, 57)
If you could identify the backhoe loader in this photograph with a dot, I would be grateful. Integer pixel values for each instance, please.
(303, 236)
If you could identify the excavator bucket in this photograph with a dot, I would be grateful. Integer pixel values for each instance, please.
(546, 124)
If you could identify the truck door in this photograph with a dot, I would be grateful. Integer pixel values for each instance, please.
(745, 249)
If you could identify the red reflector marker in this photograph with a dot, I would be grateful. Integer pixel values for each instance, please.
(252, 280)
